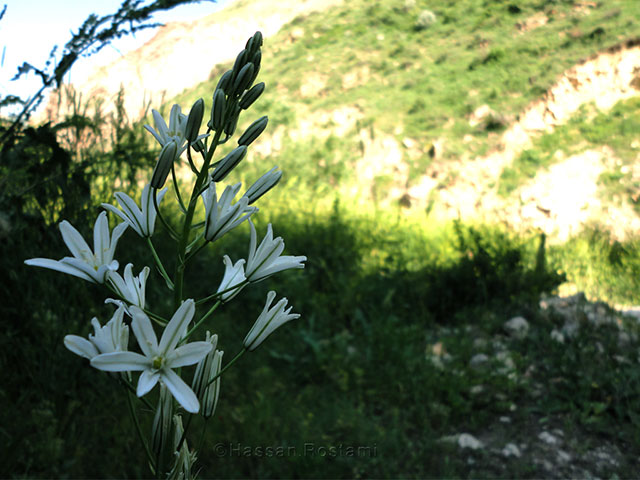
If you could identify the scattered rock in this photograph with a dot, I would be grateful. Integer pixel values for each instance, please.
(478, 360)
(511, 450)
(466, 440)
(517, 327)
(548, 438)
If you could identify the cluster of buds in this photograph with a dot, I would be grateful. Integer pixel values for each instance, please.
(161, 361)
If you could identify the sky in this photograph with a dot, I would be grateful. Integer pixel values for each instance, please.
(30, 29)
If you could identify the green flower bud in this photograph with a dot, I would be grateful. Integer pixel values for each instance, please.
(257, 58)
(232, 121)
(243, 80)
(194, 120)
(206, 371)
(254, 131)
(254, 43)
(218, 110)
(228, 163)
(240, 62)
(163, 166)
(265, 183)
(161, 430)
(251, 96)
(225, 80)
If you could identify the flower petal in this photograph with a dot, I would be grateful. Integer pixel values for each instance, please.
(143, 330)
(115, 236)
(80, 346)
(147, 381)
(181, 391)
(75, 243)
(177, 326)
(189, 354)
(120, 362)
(60, 267)
(101, 238)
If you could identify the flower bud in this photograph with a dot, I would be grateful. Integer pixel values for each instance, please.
(163, 166)
(241, 60)
(218, 110)
(228, 163)
(265, 183)
(255, 42)
(225, 80)
(251, 96)
(194, 120)
(232, 121)
(254, 131)
(206, 371)
(161, 430)
(243, 80)
(257, 58)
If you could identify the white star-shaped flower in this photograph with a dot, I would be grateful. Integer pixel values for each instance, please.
(142, 221)
(112, 337)
(266, 259)
(159, 359)
(221, 216)
(268, 321)
(91, 265)
(129, 288)
(175, 132)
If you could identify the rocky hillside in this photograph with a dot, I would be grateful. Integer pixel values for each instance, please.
(467, 110)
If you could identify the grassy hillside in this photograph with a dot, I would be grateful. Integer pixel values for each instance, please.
(418, 83)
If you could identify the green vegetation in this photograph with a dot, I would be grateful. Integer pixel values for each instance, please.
(393, 308)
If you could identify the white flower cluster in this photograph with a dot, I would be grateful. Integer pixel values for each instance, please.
(160, 361)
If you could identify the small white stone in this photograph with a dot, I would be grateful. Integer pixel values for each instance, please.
(517, 327)
(466, 440)
(505, 419)
(511, 450)
(478, 360)
(557, 336)
(563, 456)
(477, 389)
(548, 438)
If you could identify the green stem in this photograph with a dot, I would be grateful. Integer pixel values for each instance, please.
(161, 268)
(186, 227)
(233, 360)
(220, 293)
(139, 430)
(132, 389)
(200, 322)
(176, 188)
(204, 428)
(172, 233)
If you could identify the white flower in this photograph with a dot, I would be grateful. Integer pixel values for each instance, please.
(175, 132)
(233, 275)
(221, 216)
(131, 289)
(142, 221)
(113, 337)
(85, 263)
(268, 321)
(265, 183)
(158, 360)
(206, 371)
(265, 260)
